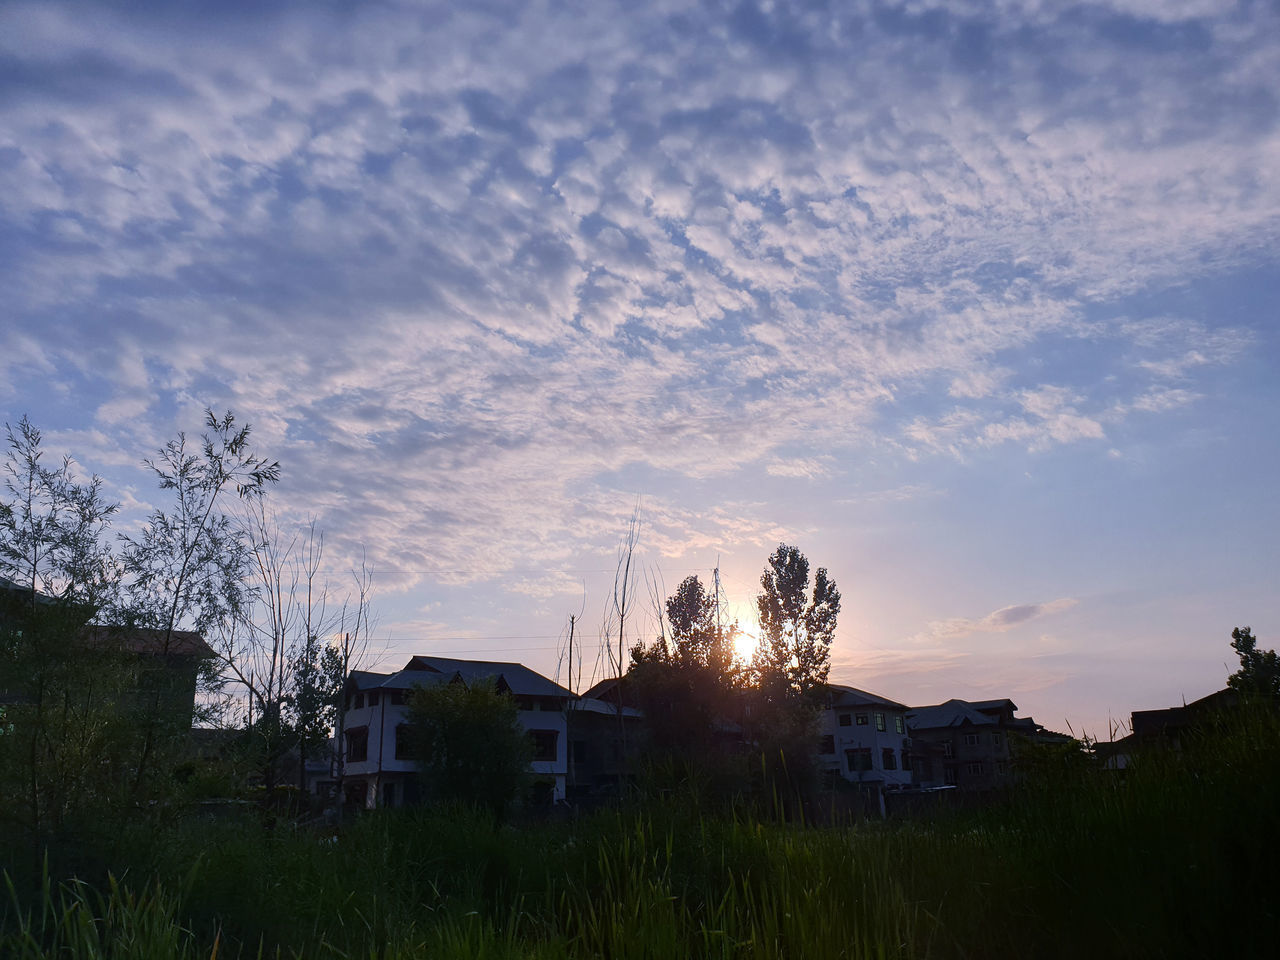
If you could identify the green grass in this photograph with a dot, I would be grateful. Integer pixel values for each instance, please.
(1176, 858)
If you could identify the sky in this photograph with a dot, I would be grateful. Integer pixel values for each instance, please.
(973, 302)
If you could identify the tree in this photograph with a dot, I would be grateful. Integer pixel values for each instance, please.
(698, 637)
(68, 737)
(686, 686)
(1259, 673)
(794, 655)
(469, 745)
(187, 567)
(51, 531)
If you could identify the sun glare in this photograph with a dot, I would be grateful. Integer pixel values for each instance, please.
(744, 645)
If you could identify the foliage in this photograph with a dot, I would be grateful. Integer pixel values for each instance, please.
(469, 745)
(686, 686)
(51, 528)
(69, 734)
(1259, 673)
(187, 567)
(793, 658)
(1100, 865)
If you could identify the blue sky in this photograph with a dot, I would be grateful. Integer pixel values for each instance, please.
(974, 302)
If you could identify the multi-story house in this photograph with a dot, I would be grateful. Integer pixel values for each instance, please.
(969, 744)
(377, 768)
(863, 739)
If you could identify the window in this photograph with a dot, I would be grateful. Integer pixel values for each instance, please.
(373, 699)
(880, 722)
(948, 751)
(858, 759)
(1002, 767)
(949, 774)
(970, 739)
(887, 759)
(996, 739)
(899, 725)
(544, 743)
(359, 700)
(974, 768)
(861, 719)
(396, 697)
(845, 719)
(357, 744)
(404, 748)
(827, 744)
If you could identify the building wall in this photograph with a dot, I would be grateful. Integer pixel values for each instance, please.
(979, 757)
(866, 736)
(381, 765)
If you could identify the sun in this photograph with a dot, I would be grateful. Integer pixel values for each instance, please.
(744, 644)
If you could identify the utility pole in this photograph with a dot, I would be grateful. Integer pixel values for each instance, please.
(572, 620)
(573, 780)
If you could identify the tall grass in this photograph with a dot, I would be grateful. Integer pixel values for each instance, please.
(1176, 857)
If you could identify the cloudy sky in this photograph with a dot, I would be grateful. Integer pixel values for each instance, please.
(972, 301)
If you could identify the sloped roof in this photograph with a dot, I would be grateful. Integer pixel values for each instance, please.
(843, 696)
(952, 713)
(148, 641)
(517, 678)
(1001, 704)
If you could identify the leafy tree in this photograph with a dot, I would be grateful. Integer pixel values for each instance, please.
(69, 737)
(1259, 673)
(187, 566)
(469, 745)
(686, 685)
(794, 654)
(51, 530)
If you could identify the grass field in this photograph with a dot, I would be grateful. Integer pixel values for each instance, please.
(1175, 858)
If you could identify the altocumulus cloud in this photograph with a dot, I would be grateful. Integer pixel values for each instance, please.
(466, 265)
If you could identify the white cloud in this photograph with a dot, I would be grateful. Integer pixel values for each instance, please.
(460, 271)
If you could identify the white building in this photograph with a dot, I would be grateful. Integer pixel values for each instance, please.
(863, 739)
(378, 771)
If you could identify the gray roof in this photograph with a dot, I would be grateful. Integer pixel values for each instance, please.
(953, 713)
(517, 678)
(992, 704)
(842, 696)
(424, 671)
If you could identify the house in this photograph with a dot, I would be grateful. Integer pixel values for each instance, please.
(604, 740)
(1166, 728)
(153, 671)
(377, 768)
(969, 744)
(863, 739)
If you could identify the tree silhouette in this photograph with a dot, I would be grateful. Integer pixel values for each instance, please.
(1259, 673)
(796, 627)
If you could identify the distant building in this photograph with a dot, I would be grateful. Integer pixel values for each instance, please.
(154, 669)
(378, 771)
(1167, 728)
(863, 739)
(970, 745)
(605, 735)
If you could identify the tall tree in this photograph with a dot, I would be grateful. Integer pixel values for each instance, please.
(51, 528)
(685, 684)
(794, 654)
(698, 637)
(68, 738)
(1259, 673)
(187, 566)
